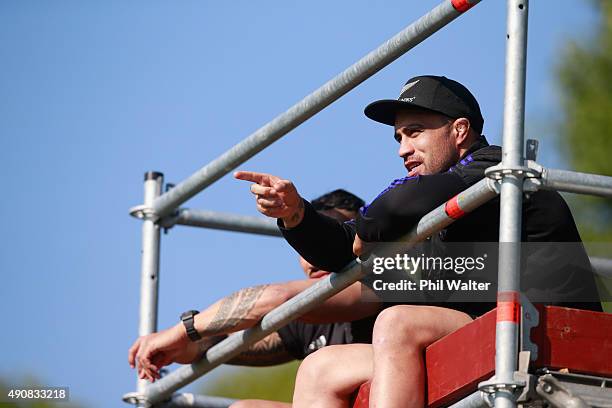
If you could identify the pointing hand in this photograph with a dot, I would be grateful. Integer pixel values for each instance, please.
(275, 197)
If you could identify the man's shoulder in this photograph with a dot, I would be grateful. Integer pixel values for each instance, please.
(422, 190)
(471, 168)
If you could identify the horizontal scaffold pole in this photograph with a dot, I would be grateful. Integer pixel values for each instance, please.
(455, 208)
(373, 62)
(602, 266)
(475, 400)
(431, 223)
(264, 226)
(197, 401)
(225, 221)
(240, 341)
(574, 182)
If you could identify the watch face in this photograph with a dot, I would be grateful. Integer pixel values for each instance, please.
(187, 319)
(188, 314)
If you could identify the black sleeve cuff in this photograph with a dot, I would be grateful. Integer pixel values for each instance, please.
(323, 241)
(302, 227)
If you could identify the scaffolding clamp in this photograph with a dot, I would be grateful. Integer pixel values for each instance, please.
(528, 393)
(170, 220)
(530, 174)
(530, 318)
(143, 212)
(522, 387)
(491, 387)
(499, 172)
(136, 399)
(557, 394)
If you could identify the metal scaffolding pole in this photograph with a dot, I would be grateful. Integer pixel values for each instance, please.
(602, 266)
(467, 201)
(239, 341)
(373, 62)
(511, 172)
(475, 400)
(263, 226)
(574, 182)
(197, 401)
(436, 220)
(149, 273)
(508, 306)
(224, 221)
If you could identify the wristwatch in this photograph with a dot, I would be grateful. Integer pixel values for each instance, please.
(187, 319)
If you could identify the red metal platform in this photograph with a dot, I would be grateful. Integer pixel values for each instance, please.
(579, 340)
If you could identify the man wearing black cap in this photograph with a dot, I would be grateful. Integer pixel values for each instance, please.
(438, 126)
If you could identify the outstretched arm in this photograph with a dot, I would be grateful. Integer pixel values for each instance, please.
(268, 351)
(321, 240)
(240, 310)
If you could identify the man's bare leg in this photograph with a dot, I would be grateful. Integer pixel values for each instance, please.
(401, 334)
(329, 377)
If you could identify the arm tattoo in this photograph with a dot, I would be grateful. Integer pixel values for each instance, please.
(233, 310)
(266, 352)
(296, 215)
(208, 342)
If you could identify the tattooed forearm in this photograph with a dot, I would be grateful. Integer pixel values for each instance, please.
(295, 218)
(247, 301)
(233, 310)
(296, 215)
(208, 342)
(266, 352)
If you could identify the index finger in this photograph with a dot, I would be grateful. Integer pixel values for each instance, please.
(252, 176)
(132, 352)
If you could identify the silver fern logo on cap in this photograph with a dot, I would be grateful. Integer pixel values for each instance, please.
(408, 86)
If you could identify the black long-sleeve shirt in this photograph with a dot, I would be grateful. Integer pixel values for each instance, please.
(326, 243)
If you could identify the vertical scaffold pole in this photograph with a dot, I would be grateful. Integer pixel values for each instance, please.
(149, 272)
(508, 306)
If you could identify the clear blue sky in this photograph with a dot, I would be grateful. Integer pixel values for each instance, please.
(93, 94)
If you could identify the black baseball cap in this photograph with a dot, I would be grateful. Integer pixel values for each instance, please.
(435, 93)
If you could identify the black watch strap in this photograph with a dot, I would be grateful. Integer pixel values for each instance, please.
(187, 319)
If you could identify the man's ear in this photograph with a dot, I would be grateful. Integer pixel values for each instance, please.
(461, 128)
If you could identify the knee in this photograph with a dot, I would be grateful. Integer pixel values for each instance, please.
(405, 326)
(395, 320)
(316, 368)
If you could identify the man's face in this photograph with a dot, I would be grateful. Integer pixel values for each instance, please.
(427, 142)
(341, 215)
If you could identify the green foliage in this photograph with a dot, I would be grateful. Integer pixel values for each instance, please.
(270, 383)
(585, 77)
